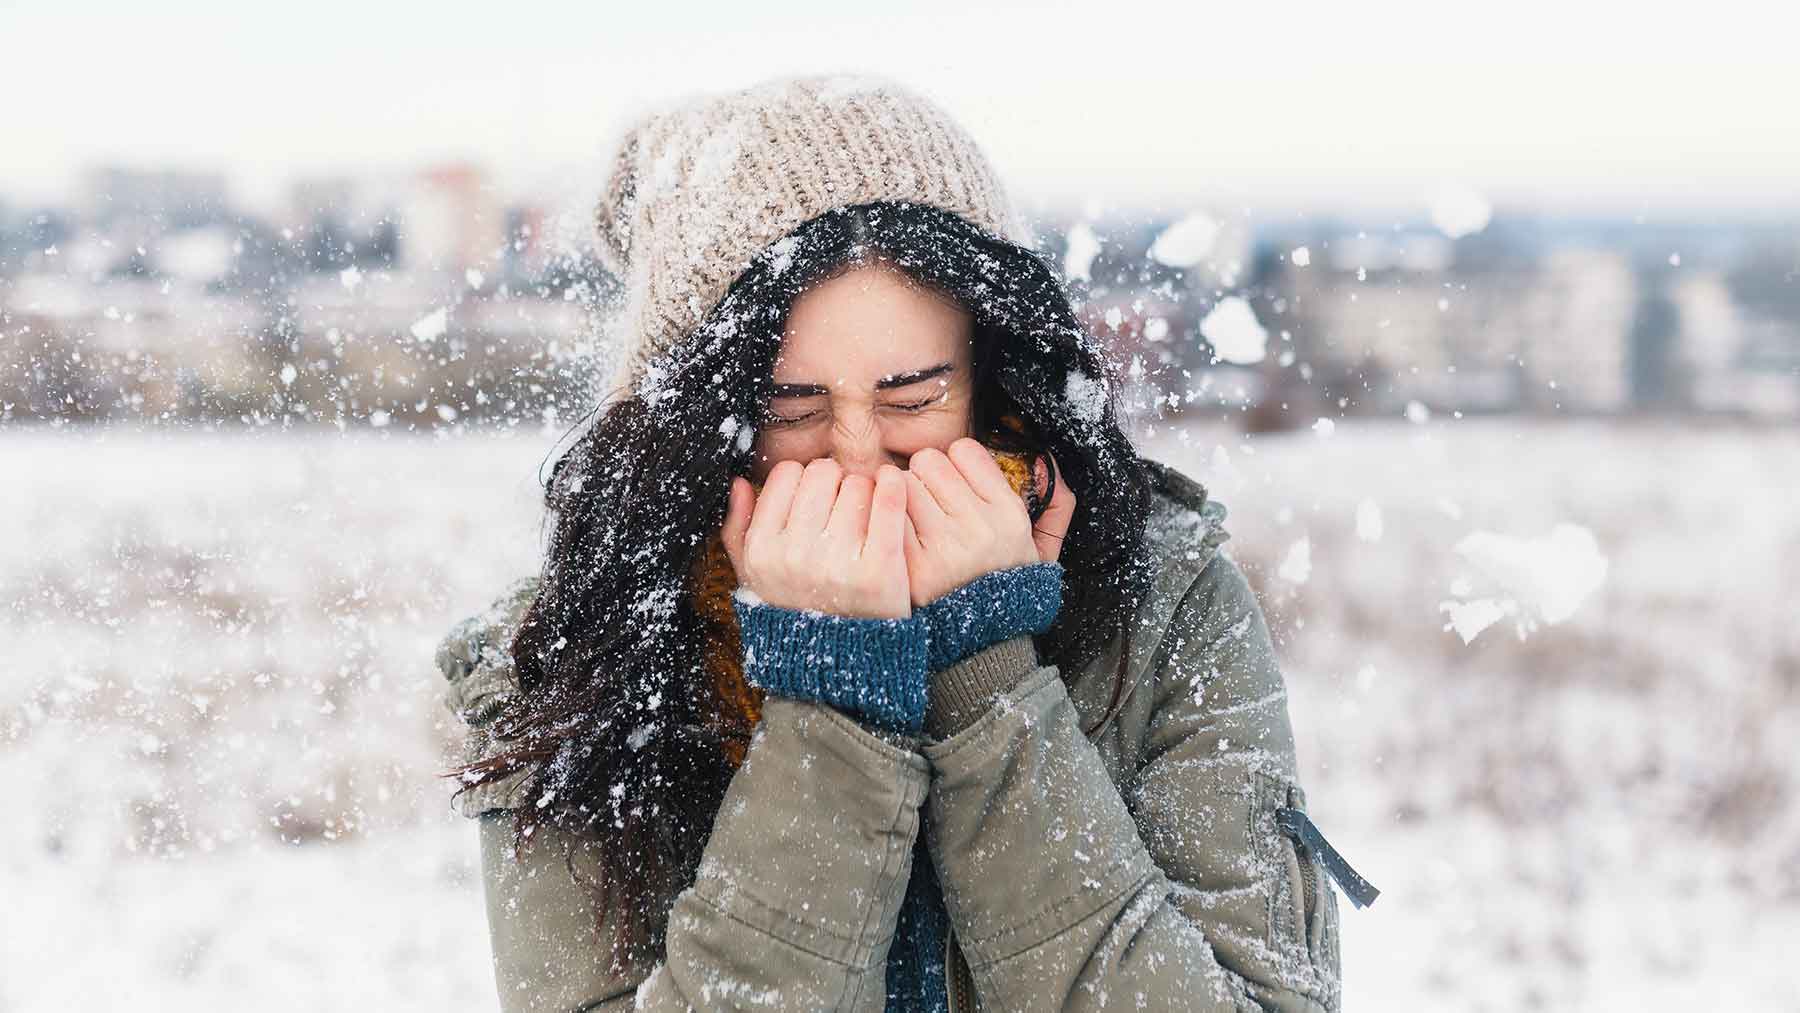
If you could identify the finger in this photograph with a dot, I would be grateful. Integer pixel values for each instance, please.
(814, 498)
(947, 485)
(1053, 524)
(775, 500)
(914, 552)
(1041, 467)
(741, 502)
(888, 521)
(922, 509)
(981, 471)
(849, 521)
(915, 549)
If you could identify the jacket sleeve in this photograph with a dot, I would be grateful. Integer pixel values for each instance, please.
(795, 900)
(1177, 893)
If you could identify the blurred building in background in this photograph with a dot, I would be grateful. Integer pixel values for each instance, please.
(452, 218)
(361, 301)
(431, 297)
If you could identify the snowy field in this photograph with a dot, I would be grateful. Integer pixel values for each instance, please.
(220, 721)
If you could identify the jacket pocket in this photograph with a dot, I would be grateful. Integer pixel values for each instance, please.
(1303, 907)
(1318, 867)
(1313, 903)
(1292, 882)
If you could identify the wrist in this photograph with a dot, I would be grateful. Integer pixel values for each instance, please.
(964, 691)
(993, 607)
(873, 669)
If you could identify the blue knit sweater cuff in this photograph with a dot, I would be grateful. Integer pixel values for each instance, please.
(872, 669)
(993, 607)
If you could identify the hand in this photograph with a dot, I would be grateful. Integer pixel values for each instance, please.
(818, 539)
(965, 520)
(1053, 523)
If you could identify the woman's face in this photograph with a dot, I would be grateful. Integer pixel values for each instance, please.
(873, 367)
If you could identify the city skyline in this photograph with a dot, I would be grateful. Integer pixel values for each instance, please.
(234, 316)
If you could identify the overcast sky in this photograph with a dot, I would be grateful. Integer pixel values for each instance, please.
(1565, 106)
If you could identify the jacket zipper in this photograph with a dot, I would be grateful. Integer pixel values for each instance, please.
(955, 990)
(1296, 825)
(1309, 889)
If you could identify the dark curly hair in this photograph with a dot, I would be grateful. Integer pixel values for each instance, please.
(616, 714)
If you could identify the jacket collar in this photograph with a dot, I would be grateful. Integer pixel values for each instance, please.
(1182, 534)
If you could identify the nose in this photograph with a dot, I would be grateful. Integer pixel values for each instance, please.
(856, 446)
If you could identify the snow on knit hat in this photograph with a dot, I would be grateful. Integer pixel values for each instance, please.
(699, 188)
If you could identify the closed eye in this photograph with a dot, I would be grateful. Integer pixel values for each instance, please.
(771, 418)
(914, 406)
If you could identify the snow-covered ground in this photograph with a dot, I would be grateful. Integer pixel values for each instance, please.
(220, 721)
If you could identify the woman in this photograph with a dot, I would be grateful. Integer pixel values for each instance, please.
(869, 667)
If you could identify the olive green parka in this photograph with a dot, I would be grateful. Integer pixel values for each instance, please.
(1141, 867)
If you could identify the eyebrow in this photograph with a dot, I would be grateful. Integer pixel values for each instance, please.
(885, 383)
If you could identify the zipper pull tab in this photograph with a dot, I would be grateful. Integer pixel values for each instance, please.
(1296, 825)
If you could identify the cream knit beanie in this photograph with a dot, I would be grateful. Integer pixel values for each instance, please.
(698, 189)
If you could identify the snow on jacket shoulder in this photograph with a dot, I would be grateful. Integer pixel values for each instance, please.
(1141, 867)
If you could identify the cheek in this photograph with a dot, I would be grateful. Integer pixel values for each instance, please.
(772, 447)
(939, 429)
(948, 427)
